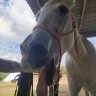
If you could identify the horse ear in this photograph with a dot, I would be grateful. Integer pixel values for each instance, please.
(71, 3)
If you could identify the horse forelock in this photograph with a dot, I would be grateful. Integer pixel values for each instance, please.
(68, 3)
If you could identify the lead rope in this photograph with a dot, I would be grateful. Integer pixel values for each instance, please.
(83, 12)
(76, 47)
(75, 37)
(57, 74)
(38, 3)
(15, 94)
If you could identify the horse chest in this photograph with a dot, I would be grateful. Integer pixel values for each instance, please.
(81, 71)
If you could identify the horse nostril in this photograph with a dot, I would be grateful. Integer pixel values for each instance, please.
(37, 49)
(24, 48)
(63, 9)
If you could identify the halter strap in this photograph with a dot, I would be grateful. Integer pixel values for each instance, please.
(57, 36)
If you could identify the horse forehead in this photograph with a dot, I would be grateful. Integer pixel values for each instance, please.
(68, 3)
(56, 3)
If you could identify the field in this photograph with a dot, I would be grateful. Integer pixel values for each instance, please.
(8, 89)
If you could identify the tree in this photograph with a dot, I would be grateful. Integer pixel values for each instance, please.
(3, 75)
(63, 69)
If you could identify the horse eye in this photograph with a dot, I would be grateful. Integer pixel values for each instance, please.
(63, 9)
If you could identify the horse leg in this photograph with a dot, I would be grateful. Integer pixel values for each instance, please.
(73, 89)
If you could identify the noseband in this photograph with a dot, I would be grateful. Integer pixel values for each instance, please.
(57, 36)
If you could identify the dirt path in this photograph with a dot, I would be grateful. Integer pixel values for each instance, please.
(63, 88)
(9, 89)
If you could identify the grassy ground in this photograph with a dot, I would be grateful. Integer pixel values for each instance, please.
(8, 89)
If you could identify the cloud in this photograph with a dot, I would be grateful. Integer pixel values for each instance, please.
(10, 50)
(1, 1)
(5, 28)
(12, 57)
(16, 20)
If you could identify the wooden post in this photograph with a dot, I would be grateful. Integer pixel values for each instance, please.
(25, 80)
(9, 66)
(51, 91)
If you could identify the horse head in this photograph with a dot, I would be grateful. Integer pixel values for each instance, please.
(41, 47)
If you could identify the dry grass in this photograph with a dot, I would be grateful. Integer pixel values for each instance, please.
(7, 89)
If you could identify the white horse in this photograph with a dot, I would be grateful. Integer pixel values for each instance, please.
(80, 59)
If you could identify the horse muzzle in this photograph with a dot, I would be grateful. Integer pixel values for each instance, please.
(36, 54)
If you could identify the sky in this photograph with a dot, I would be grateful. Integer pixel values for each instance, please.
(16, 23)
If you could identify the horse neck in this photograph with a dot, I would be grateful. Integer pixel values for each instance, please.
(78, 49)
